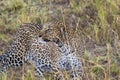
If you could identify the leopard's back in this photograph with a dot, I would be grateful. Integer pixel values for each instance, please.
(14, 56)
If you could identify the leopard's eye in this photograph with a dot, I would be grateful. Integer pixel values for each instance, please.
(48, 31)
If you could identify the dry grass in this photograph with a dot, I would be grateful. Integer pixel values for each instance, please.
(95, 22)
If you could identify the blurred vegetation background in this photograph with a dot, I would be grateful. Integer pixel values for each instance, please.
(98, 20)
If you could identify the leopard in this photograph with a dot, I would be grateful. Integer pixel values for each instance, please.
(28, 47)
(44, 56)
(49, 58)
(14, 56)
(32, 44)
(68, 43)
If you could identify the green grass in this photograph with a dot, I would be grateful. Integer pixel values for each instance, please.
(98, 20)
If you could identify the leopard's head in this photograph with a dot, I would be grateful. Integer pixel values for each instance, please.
(53, 32)
(58, 32)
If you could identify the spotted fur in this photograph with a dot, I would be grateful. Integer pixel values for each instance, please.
(46, 50)
(14, 56)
